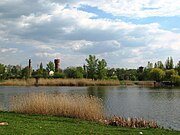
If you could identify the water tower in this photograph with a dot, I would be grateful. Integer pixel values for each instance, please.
(57, 65)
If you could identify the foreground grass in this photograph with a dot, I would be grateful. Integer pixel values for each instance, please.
(51, 125)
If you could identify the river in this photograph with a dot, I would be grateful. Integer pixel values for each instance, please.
(161, 105)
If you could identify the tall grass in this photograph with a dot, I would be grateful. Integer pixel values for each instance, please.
(75, 106)
(19, 82)
(59, 82)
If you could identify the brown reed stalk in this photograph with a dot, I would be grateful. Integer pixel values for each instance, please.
(59, 82)
(131, 122)
(75, 106)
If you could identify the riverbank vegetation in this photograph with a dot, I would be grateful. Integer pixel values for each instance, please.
(74, 106)
(96, 69)
(58, 82)
(40, 124)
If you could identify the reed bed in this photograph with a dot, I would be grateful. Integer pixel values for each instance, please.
(59, 82)
(131, 122)
(19, 82)
(75, 106)
(76, 82)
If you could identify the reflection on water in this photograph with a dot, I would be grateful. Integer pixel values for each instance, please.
(161, 105)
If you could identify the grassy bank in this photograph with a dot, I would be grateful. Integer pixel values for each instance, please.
(41, 125)
(59, 82)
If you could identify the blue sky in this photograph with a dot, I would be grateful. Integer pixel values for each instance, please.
(127, 33)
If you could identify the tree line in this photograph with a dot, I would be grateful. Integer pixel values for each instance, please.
(97, 69)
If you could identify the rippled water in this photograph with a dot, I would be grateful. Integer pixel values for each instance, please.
(161, 105)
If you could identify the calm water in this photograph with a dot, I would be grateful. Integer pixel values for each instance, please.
(161, 105)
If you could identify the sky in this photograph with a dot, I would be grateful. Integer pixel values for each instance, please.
(126, 33)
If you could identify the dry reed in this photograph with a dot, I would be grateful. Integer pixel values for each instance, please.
(75, 106)
(59, 82)
(19, 82)
(131, 122)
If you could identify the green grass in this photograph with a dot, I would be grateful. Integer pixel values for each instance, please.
(24, 124)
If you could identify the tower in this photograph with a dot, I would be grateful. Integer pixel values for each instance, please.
(29, 68)
(57, 65)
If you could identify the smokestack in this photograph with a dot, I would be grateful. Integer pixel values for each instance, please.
(29, 66)
(57, 65)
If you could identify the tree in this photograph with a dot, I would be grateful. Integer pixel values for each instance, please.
(50, 67)
(169, 63)
(91, 67)
(178, 67)
(120, 72)
(170, 73)
(74, 72)
(157, 74)
(2, 71)
(25, 72)
(155, 65)
(101, 69)
(149, 65)
(41, 68)
(160, 65)
(175, 79)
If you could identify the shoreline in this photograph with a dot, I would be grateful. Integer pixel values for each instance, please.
(81, 83)
(59, 82)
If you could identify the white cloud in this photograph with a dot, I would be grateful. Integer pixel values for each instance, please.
(8, 50)
(137, 8)
(56, 30)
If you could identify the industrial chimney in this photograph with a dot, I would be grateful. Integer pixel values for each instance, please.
(57, 65)
(29, 67)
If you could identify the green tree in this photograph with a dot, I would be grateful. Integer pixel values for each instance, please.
(175, 79)
(41, 68)
(169, 64)
(120, 72)
(25, 73)
(74, 72)
(157, 74)
(101, 69)
(91, 67)
(160, 65)
(170, 73)
(178, 67)
(155, 65)
(2, 71)
(50, 67)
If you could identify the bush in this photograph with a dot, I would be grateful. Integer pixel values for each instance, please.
(114, 77)
(175, 79)
(59, 75)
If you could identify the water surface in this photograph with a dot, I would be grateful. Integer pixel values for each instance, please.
(161, 105)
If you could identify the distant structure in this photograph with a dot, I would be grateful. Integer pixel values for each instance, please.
(141, 69)
(57, 65)
(51, 73)
(29, 67)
